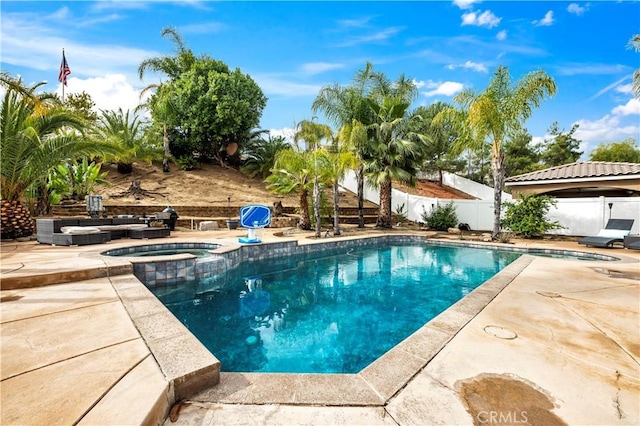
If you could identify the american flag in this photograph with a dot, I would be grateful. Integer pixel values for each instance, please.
(64, 70)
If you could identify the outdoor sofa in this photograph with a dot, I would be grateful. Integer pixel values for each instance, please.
(613, 232)
(83, 231)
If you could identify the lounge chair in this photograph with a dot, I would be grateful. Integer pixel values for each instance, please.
(634, 245)
(614, 232)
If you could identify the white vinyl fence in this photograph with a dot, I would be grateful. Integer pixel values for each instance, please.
(578, 216)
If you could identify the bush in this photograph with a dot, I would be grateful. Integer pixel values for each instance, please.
(441, 217)
(527, 216)
(187, 163)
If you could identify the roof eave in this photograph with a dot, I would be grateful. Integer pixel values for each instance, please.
(574, 180)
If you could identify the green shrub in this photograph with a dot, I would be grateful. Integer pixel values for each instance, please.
(441, 217)
(187, 162)
(401, 214)
(86, 176)
(527, 216)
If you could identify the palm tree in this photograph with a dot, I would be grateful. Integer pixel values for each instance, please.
(347, 109)
(333, 165)
(125, 131)
(36, 136)
(498, 112)
(261, 154)
(291, 173)
(162, 102)
(172, 66)
(391, 154)
(162, 107)
(313, 134)
(438, 139)
(634, 43)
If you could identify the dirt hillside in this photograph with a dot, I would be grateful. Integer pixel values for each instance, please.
(212, 185)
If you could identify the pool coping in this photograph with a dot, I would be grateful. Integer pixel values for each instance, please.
(194, 372)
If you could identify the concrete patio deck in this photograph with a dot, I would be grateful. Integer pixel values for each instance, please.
(554, 341)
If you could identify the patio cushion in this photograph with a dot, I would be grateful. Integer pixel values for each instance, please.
(613, 233)
(79, 230)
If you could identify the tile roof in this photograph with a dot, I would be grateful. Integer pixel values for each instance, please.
(582, 170)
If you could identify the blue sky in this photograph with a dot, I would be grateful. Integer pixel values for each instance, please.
(292, 49)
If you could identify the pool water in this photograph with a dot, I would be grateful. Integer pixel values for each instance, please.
(331, 314)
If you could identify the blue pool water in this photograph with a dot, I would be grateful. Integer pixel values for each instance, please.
(331, 314)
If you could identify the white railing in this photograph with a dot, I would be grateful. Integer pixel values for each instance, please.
(578, 216)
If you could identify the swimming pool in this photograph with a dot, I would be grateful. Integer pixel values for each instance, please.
(333, 311)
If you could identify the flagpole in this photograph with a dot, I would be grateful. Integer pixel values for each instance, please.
(65, 79)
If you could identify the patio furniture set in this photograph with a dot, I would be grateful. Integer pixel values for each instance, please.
(84, 231)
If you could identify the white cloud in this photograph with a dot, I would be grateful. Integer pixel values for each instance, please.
(502, 35)
(204, 28)
(379, 36)
(576, 9)
(610, 128)
(484, 19)
(470, 65)
(313, 68)
(109, 92)
(624, 88)
(285, 132)
(355, 23)
(630, 108)
(448, 88)
(547, 21)
(283, 86)
(465, 4)
(33, 44)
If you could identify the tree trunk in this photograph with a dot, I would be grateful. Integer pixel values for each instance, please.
(15, 220)
(165, 145)
(316, 206)
(305, 221)
(336, 207)
(384, 214)
(42, 207)
(360, 179)
(497, 164)
(440, 177)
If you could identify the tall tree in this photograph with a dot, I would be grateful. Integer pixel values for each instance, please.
(521, 156)
(625, 151)
(347, 109)
(498, 112)
(313, 134)
(217, 107)
(561, 148)
(162, 106)
(438, 139)
(391, 155)
(172, 66)
(37, 135)
(162, 103)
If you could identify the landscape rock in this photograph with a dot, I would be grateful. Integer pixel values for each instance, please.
(208, 225)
